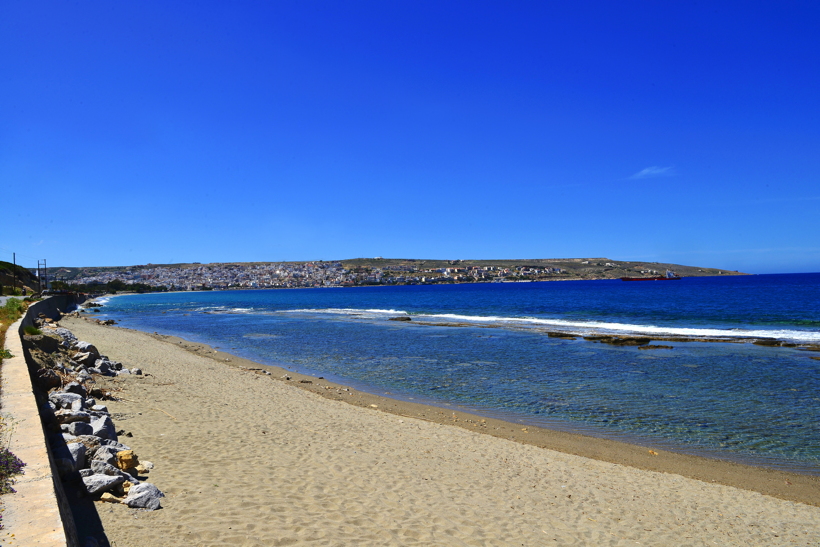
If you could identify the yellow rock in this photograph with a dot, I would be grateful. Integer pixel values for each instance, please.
(126, 486)
(126, 459)
(141, 469)
(109, 498)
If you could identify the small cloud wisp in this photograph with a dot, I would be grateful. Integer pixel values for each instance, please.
(653, 171)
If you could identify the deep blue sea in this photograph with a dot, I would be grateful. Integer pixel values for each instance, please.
(736, 401)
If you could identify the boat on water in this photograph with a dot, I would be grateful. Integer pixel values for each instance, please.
(670, 276)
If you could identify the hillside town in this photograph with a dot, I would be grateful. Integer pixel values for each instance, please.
(307, 274)
(356, 272)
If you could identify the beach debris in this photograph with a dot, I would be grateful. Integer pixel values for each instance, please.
(653, 452)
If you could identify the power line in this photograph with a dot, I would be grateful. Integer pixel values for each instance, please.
(21, 254)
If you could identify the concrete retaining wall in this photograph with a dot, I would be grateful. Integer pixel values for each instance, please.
(38, 514)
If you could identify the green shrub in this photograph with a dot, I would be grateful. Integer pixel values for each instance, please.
(32, 330)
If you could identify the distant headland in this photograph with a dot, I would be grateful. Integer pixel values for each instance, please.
(355, 272)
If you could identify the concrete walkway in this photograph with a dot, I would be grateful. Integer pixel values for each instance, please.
(31, 517)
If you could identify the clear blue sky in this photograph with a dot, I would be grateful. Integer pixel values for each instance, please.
(686, 132)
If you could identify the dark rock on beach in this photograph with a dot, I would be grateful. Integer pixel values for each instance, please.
(48, 379)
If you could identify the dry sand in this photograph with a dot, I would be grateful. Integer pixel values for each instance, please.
(248, 459)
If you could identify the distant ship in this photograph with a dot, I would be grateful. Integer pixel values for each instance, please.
(670, 275)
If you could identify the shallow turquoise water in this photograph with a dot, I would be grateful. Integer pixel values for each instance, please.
(733, 400)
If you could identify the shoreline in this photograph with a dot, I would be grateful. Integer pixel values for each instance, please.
(786, 485)
(246, 459)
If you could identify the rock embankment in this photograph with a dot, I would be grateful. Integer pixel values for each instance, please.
(81, 432)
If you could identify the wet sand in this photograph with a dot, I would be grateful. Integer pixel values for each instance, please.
(247, 458)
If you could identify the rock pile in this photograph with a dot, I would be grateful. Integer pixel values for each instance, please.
(83, 437)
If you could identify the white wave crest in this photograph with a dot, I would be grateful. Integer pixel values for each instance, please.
(348, 311)
(588, 327)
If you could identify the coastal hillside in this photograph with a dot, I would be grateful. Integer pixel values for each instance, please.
(357, 272)
(567, 268)
(16, 276)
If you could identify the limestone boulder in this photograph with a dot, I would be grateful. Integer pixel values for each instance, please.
(66, 335)
(77, 388)
(85, 347)
(69, 416)
(97, 484)
(77, 451)
(126, 459)
(104, 428)
(83, 358)
(144, 496)
(64, 400)
(79, 428)
(102, 468)
(104, 454)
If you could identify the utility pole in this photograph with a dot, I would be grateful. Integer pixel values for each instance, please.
(39, 279)
(14, 258)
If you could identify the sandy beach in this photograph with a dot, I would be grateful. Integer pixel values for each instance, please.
(250, 459)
